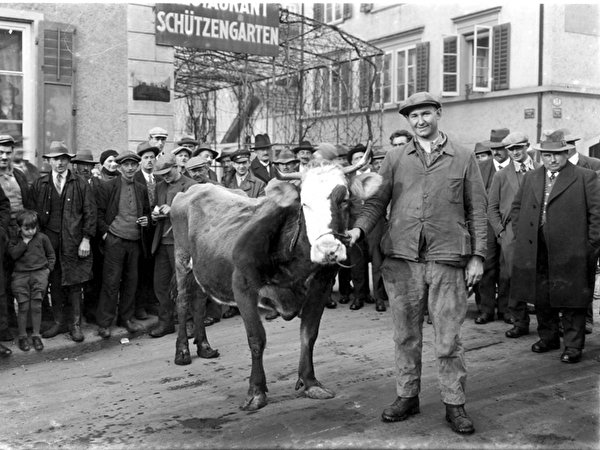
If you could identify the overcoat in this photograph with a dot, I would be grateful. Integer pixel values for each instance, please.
(259, 171)
(252, 186)
(78, 221)
(573, 225)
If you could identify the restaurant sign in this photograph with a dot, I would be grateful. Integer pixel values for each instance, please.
(233, 27)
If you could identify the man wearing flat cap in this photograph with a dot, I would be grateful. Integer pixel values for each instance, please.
(197, 167)
(434, 249)
(67, 212)
(182, 156)
(157, 137)
(556, 220)
(505, 186)
(261, 166)
(206, 151)
(123, 217)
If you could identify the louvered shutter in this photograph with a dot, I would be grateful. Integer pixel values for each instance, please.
(57, 117)
(501, 58)
(347, 10)
(422, 67)
(318, 12)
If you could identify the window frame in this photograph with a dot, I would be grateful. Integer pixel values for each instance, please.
(407, 51)
(457, 57)
(474, 63)
(332, 7)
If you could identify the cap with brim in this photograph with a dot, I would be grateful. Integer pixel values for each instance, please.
(240, 155)
(205, 147)
(304, 145)
(181, 149)
(480, 148)
(224, 155)
(84, 157)
(127, 155)
(418, 99)
(146, 147)
(496, 137)
(379, 154)
(356, 149)
(553, 141)
(158, 132)
(286, 156)
(187, 140)
(57, 148)
(164, 165)
(515, 138)
(196, 162)
(7, 139)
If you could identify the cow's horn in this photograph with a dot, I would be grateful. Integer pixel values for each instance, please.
(362, 162)
(287, 176)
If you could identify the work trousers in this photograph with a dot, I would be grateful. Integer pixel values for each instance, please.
(119, 276)
(412, 287)
(359, 255)
(493, 275)
(374, 241)
(164, 268)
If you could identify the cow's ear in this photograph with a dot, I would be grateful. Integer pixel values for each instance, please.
(365, 185)
(282, 192)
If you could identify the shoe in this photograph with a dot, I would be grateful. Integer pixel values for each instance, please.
(506, 317)
(104, 332)
(370, 300)
(54, 330)
(401, 409)
(344, 299)
(484, 318)
(517, 332)
(208, 321)
(231, 312)
(459, 419)
(543, 346)
(272, 315)
(133, 327)
(162, 330)
(331, 304)
(589, 327)
(571, 355)
(6, 335)
(37, 343)
(357, 304)
(76, 333)
(5, 351)
(24, 344)
(380, 305)
(140, 313)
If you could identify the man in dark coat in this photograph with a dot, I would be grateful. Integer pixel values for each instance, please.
(556, 219)
(261, 166)
(67, 211)
(243, 178)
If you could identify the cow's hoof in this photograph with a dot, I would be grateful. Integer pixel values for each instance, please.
(183, 358)
(319, 392)
(254, 403)
(207, 353)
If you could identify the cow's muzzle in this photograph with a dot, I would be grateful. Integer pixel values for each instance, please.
(329, 248)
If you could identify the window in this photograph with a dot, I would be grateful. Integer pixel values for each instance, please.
(346, 86)
(332, 12)
(405, 74)
(482, 59)
(450, 66)
(383, 83)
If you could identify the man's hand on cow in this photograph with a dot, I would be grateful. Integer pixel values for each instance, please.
(354, 235)
(84, 248)
(474, 270)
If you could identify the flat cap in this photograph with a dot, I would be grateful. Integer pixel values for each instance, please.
(515, 138)
(164, 165)
(196, 162)
(418, 99)
(158, 132)
(127, 155)
(181, 149)
(7, 139)
(379, 154)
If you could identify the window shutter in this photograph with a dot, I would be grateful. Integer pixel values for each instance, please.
(57, 117)
(319, 12)
(347, 10)
(501, 58)
(450, 66)
(422, 67)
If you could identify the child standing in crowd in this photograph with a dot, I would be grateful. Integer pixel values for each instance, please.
(34, 260)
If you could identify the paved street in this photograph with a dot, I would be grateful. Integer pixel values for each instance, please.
(105, 395)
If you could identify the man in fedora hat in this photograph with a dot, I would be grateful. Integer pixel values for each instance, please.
(67, 211)
(261, 166)
(189, 142)
(225, 160)
(556, 220)
(206, 151)
(434, 249)
(123, 217)
(304, 152)
(287, 162)
(83, 165)
(482, 153)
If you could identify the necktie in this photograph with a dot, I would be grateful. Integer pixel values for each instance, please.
(59, 183)
(523, 168)
(151, 190)
(552, 176)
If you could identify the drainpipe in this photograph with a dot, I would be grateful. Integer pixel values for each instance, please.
(540, 73)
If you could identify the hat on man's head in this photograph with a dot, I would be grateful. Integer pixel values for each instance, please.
(7, 139)
(84, 157)
(515, 138)
(286, 156)
(304, 145)
(57, 148)
(418, 99)
(196, 162)
(225, 153)
(240, 156)
(146, 147)
(158, 132)
(379, 154)
(181, 149)
(553, 141)
(205, 147)
(356, 149)
(496, 137)
(164, 165)
(127, 155)
(570, 138)
(480, 148)
(107, 154)
(261, 141)
(187, 140)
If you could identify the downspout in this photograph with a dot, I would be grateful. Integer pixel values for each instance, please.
(540, 73)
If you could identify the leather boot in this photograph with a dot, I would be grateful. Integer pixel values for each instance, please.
(75, 329)
(401, 409)
(459, 419)
(4, 351)
(57, 328)
(76, 333)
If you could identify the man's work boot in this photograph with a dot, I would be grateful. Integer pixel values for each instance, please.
(4, 351)
(401, 409)
(133, 327)
(54, 330)
(76, 333)
(459, 419)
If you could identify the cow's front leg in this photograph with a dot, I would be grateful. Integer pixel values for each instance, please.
(185, 281)
(309, 331)
(204, 349)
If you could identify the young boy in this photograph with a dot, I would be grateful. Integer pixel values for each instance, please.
(34, 260)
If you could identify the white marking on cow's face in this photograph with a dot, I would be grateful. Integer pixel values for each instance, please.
(317, 185)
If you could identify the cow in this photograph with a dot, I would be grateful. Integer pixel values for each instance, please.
(281, 251)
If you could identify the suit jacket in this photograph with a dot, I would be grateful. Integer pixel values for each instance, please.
(252, 186)
(588, 162)
(487, 169)
(573, 237)
(165, 196)
(260, 172)
(139, 176)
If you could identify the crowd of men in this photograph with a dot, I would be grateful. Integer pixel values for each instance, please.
(517, 221)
